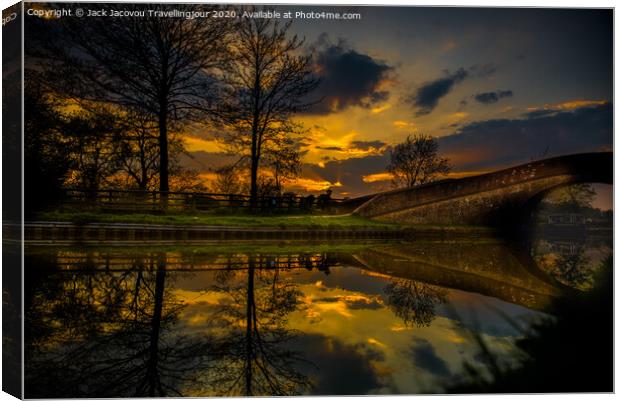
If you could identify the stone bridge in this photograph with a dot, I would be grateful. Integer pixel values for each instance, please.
(504, 198)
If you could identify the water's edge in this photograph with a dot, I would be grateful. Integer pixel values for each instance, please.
(58, 233)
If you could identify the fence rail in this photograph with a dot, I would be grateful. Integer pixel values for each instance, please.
(135, 200)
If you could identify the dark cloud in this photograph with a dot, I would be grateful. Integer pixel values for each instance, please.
(503, 142)
(336, 148)
(348, 77)
(341, 369)
(492, 97)
(350, 172)
(377, 97)
(356, 145)
(427, 96)
(368, 145)
(425, 357)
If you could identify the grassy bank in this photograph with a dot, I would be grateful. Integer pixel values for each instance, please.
(238, 220)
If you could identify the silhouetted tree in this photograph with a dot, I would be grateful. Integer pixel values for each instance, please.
(569, 266)
(158, 66)
(265, 83)
(94, 139)
(572, 197)
(416, 161)
(139, 152)
(46, 151)
(227, 180)
(284, 159)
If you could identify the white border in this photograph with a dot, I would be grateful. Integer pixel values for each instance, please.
(459, 3)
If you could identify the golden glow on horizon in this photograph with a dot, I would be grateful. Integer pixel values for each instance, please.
(379, 177)
(310, 184)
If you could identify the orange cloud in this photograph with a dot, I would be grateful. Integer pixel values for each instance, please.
(374, 341)
(194, 144)
(459, 115)
(570, 105)
(403, 124)
(377, 177)
(312, 185)
(344, 147)
(381, 109)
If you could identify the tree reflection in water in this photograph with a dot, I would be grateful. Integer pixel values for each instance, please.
(95, 330)
(114, 325)
(414, 302)
(253, 358)
(567, 262)
(95, 333)
(573, 269)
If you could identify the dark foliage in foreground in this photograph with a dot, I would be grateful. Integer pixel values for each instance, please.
(572, 352)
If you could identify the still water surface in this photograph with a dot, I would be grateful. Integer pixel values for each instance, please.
(374, 318)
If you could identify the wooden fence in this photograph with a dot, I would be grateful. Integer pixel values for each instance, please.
(153, 201)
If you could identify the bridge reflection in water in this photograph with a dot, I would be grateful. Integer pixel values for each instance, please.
(190, 321)
(490, 268)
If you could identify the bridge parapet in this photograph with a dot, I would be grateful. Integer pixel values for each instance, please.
(487, 198)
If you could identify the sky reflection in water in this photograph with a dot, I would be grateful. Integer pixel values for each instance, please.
(369, 319)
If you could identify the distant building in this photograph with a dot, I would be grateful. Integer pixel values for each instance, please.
(571, 219)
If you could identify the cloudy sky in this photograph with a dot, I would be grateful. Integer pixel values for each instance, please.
(497, 87)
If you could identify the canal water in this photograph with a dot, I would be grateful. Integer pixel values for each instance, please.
(273, 319)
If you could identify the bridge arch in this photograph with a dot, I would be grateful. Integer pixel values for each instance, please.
(497, 199)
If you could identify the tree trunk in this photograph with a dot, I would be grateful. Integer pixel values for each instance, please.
(254, 183)
(143, 171)
(152, 363)
(255, 140)
(163, 154)
(249, 349)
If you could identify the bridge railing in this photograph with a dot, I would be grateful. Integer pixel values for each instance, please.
(153, 201)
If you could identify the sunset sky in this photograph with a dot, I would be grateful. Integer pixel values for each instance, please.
(497, 87)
